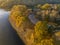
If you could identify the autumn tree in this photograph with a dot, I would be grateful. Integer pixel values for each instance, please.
(45, 6)
(58, 6)
(18, 14)
(41, 35)
(38, 6)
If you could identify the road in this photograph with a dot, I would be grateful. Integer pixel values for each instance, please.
(8, 35)
(33, 19)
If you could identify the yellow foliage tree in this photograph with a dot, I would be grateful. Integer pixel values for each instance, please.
(45, 6)
(41, 35)
(17, 14)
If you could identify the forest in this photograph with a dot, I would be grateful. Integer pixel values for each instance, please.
(35, 23)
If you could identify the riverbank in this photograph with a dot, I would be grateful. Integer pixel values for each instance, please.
(8, 35)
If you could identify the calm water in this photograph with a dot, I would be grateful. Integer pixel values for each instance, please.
(8, 35)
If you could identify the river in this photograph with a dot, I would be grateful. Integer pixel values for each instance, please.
(8, 35)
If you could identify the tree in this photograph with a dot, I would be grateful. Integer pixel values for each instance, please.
(17, 14)
(41, 35)
(58, 6)
(45, 6)
(38, 6)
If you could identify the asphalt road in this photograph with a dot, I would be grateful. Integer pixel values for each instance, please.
(8, 35)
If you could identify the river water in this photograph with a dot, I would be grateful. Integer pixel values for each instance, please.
(8, 35)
